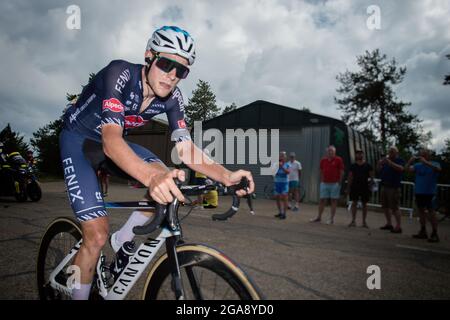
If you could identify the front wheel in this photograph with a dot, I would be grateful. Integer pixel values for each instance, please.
(206, 273)
(61, 236)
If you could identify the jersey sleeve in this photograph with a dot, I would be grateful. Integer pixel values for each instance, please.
(115, 78)
(175, 115)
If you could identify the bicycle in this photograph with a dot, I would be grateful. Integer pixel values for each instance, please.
(184, 271)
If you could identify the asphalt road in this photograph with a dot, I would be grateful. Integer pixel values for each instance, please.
(290, 259)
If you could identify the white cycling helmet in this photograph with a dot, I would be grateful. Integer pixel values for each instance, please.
(171, 39)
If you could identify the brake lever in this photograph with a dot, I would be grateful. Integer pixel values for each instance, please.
(244, 184)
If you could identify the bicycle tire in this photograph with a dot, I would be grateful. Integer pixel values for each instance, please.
(203, 258)
(57, 227)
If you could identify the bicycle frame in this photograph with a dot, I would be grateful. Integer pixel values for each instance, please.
(134, 269)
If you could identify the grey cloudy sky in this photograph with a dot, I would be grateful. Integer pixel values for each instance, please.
(287, 51)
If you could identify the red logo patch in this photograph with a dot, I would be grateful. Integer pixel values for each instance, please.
(134, 121)
(182, 124)
(113, 105)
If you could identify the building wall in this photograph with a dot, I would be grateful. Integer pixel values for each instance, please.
(309, 144)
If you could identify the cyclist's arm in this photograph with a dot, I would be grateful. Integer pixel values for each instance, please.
(198, 161)
(194, 157)
(123, 156)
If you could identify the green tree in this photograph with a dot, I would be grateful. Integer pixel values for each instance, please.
(444, 158)
(229, 108)
(202, 105)
(13, 141)
(369, 103)
(46, 141)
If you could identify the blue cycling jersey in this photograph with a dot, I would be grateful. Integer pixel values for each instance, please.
(114, 96)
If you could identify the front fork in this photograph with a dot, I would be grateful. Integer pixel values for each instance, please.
(177, 284)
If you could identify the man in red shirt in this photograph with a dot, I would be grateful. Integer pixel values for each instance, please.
(331, 174)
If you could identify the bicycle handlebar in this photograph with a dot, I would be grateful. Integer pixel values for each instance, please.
(161, 209)
(160, 214)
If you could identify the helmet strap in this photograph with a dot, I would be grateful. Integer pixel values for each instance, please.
(149, 61)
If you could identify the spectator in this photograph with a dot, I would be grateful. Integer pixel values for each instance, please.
(294, 181)
(103, 176)
(427, 173)
(281, 188)
(391, 173)
(200, 179)
(331, 174)
(30, 159)
(359, 186)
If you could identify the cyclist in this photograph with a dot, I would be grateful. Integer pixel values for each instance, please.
(120, 97)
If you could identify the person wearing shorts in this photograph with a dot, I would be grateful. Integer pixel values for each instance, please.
(331, 174)
(391, 174)
(281, 187)
(294, 182)
(426, 177)
(358, 186)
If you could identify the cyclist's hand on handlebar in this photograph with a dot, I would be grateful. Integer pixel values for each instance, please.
(236, 176)
(162, 187)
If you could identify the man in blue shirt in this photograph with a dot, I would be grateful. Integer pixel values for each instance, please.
(391, 174)
(427, 173)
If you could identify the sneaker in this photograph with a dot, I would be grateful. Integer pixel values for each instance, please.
(278, 215)
(364, 225)
(113, 242)
(352, 224)
(105, 194)
(434, 238)
(330, 221)
(315, 220)
(282, 217)
(396, 230)
(295, 209)
(252, 213)
(421, 235)
(387, 227)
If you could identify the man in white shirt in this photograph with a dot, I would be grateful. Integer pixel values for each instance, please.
(294, 181)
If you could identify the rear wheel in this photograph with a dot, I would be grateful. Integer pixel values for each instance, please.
(61, 236)
(206, 274)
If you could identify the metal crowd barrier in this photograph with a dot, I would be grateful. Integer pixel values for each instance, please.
(407, 203)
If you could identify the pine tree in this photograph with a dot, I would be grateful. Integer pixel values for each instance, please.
(369, 103)
(13, 141)
(202, 105)
(229, 108)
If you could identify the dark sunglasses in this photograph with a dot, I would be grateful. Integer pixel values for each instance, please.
(167, 65)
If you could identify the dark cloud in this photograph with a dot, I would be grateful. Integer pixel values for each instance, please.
(285, 51)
